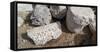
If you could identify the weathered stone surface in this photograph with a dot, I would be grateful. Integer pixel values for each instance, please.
(41, 35)
(92, 25)
(20, 21)
(24, 10)
(58, 11)
(41, 15)
(78, 17)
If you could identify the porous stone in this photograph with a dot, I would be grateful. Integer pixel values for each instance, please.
(58, 11)
(41, 15)
(24, 10)
(41, 35)
(20, 21)
(78, 17)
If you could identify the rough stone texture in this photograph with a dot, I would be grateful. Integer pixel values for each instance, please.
(41, 15)
(67, 38)
(92, 27)
(24, 10)
(41, 35)
(78, 17)
(20, 21)
(58, 11)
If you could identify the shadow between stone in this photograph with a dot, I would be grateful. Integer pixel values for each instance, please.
(24, 36)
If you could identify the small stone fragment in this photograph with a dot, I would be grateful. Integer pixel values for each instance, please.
(41, 15)
(41, 35)
(20, 21)
(58, 11)
(78, 17)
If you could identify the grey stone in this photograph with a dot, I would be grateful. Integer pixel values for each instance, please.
(58, 11)
(41, 15)
(92, 25)
(41, 35)
(78, 17)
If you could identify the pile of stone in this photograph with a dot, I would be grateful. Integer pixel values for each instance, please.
(41, 15)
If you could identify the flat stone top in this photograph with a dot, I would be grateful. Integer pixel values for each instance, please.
(43, 34)
(46, 27)
(82, 11)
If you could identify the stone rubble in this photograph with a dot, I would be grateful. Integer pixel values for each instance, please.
(43, 15)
